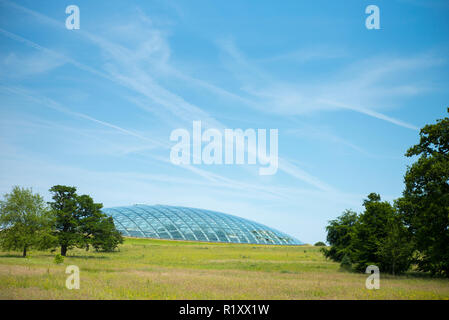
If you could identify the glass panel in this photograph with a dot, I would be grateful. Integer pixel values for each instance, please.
(181, 223)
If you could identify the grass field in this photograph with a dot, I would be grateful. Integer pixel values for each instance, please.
(157, 269)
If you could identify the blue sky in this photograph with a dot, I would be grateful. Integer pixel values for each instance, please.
(95, 107)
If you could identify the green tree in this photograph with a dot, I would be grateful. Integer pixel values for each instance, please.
(97, 228)
(396, 249)
(25, 221)
(65, 210)
(346, 263)
(81, 223)
(380, 238)
(106, 237)
(424, 205)
(90, 217)
(339, 234)
(320, 244)
(369, 231)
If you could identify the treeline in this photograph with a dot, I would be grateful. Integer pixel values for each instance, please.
(69, 221)
(414, 230)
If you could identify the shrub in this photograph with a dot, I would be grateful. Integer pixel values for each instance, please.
(59, 259)
(320, 244)
(339, 235)
(346, 262)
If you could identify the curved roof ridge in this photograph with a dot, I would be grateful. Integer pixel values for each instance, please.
(188, 223)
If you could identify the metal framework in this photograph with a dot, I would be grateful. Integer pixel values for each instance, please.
(181, 223)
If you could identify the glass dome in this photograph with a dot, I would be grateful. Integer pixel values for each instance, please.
(181, 223)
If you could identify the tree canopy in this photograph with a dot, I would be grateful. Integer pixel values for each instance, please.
(379, 238)
(79, 221)
(424, 205)
(376, 236)
(414, 229)
(339, 235)
(25, 221)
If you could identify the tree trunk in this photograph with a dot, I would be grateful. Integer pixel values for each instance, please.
(24, 251)
(63, 250)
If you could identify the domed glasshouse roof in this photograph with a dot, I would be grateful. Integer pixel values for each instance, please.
(181, 223)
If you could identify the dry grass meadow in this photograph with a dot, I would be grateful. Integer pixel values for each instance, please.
(157, 269)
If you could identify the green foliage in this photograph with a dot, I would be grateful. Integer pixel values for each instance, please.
(80, 222)
(106, 237)
(380, 238)
(320, 244)
(24, 221)
(424, 205)
(97, 228)
(369, 231)
(339, 234)
(59, 259)
(346, 262)
(396, 249)
(64, 208)
(377, 236)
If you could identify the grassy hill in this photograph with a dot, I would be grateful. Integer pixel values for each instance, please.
(158, 269)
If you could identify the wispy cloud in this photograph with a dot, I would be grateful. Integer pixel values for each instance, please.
(18, 66)
(320, 53)
(365, 86)
(129, 70)
(317, 133)
(47, 102)
(370, 113)
(94, 107)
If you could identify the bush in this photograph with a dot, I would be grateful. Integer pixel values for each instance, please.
(346, 262)
(59, 259)
(381, 238)
(339, 235)
(320, 244)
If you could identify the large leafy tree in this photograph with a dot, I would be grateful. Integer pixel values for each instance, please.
(425, 202)
(105, 236)
(396, 250)
(80, 222)
(67, 224)
(97, 229)
(339, 234)
(369, 230)
(25, 221)
(380, 238)
(376, 236)
(89, 216)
